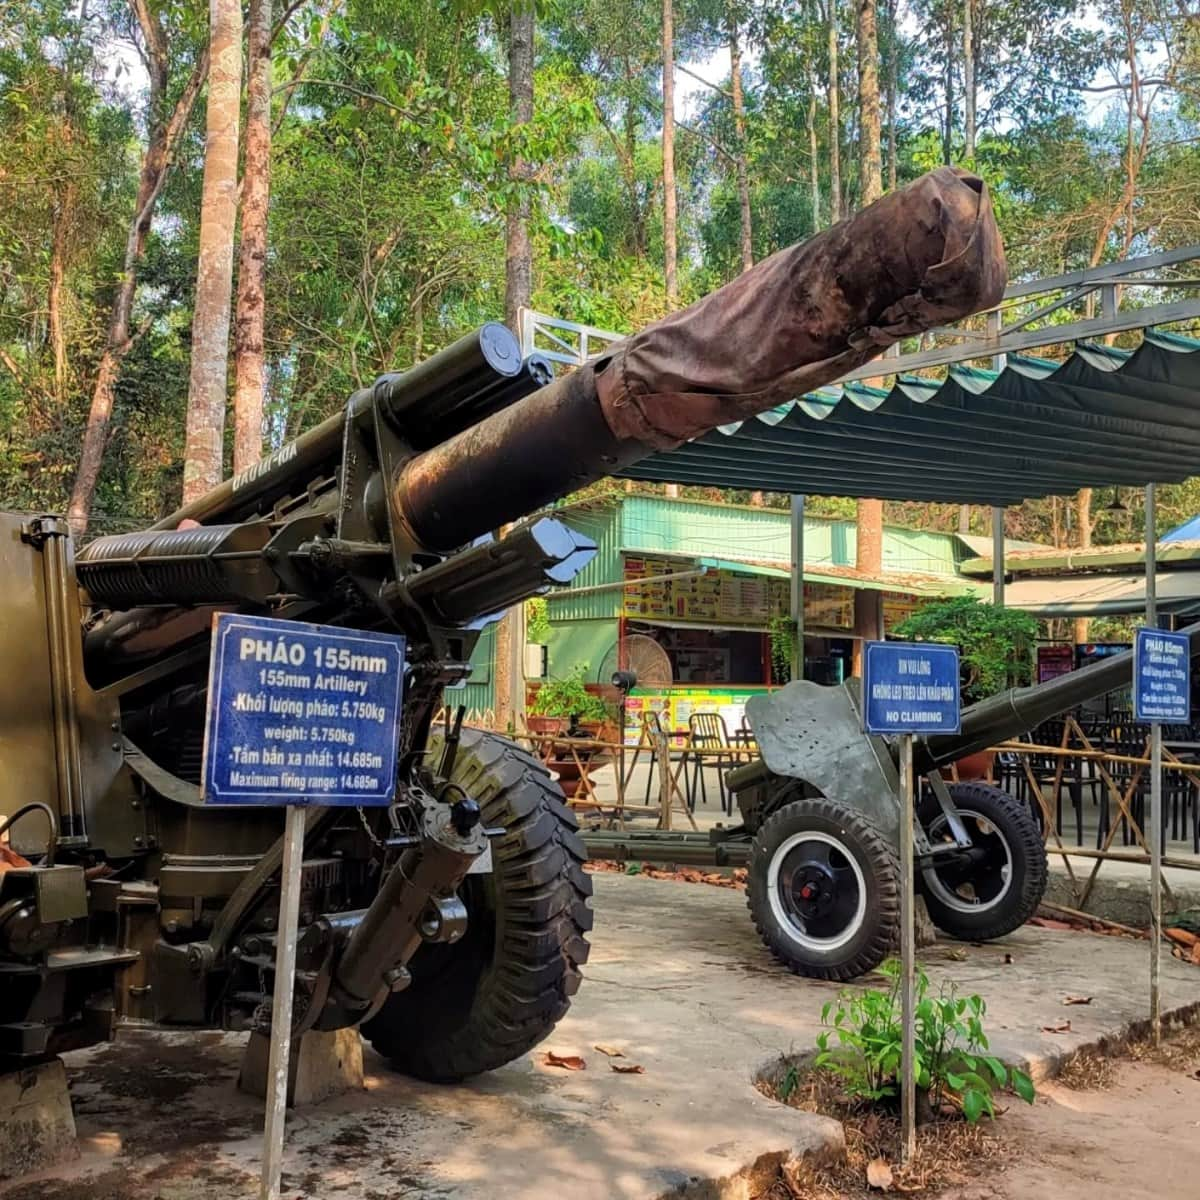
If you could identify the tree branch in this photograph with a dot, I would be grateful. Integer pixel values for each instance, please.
(338, 86)
(716, 87)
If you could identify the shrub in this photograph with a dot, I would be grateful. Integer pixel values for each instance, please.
(862, 1046)
(568, 697)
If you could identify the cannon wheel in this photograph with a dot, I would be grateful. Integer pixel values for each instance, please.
(999, 889)
(823, 888)
(491, 997)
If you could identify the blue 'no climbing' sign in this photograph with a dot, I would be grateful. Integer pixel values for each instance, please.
(1162, 684)
(301, 714)
(910, 687)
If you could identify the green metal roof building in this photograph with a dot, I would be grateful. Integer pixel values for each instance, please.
(729, 547)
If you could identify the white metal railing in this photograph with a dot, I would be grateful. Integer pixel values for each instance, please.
(561, 341)
(1031, 313)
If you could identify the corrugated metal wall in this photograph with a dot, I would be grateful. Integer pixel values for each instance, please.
(658, 525)
(602, 523)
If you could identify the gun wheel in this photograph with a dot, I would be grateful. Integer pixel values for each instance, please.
(823, 889)
(996, 886)
(492, 996)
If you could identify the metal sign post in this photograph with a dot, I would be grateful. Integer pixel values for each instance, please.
(1161, 692)
(298, 714)
(908, 958)
(281, 1004)
(909, 688)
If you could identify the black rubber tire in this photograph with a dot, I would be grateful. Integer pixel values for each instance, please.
(876, 857)
(491, 997)
(1016, 825)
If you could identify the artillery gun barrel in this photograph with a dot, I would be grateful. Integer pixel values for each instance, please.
(921, 256)
(1014, 712)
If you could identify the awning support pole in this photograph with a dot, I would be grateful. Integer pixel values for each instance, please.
(797, 590)
(1156, 823)
(998, 557)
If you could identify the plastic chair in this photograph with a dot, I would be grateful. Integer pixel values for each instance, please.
(707, 733)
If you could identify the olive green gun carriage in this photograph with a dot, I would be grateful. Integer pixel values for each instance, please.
(450, 925)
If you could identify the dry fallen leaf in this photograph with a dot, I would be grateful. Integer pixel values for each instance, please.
(627, 1068)
(879, 1175)
(610, 1051)
(1078, 1000)
(569, 1062)
(1064, 1027)
(1196, 954)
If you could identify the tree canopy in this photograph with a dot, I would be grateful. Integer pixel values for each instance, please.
(392, 171)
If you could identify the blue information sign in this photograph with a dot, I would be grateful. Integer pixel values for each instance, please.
(301, 714)
(1162, 668)
(910, 687)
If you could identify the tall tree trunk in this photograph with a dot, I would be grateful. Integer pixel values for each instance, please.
(1083, 522)
(810, 120)
(868, 560)
(518, 290)
(739, 128)
(835, 123)
(518, 253)
(668, 152)
(249, 366)
(969, 94)
(948, 83)
(55, 292)
(892, 87)
(203, 458)
(162, 139)
(870, 159)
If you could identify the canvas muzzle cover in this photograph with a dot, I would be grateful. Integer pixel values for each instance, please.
(922, 256)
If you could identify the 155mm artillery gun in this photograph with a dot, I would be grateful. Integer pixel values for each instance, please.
(822, 822)
(451, 923)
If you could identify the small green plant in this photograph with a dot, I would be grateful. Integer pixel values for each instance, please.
(568, 697)
(862, 1046)
(790, 1082)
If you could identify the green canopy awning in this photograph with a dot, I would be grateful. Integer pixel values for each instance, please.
(1101, 417)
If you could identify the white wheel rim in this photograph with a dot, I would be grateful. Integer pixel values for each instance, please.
(951, 899)
(787, 920)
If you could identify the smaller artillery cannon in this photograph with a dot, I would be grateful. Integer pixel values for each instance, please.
(822, 822)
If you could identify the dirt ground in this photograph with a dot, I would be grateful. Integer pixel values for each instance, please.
(1133, 1139)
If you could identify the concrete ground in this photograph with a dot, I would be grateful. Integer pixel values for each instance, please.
(677, 980)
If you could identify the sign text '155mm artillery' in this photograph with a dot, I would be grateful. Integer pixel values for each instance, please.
(449, 922)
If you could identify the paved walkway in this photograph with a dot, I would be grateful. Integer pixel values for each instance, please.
(678, 980)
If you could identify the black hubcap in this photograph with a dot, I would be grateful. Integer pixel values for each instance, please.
(977, 874)
(819, 889)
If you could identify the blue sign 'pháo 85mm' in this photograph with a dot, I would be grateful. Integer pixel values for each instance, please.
(1162, 682)
(301, 714)
(910, 687)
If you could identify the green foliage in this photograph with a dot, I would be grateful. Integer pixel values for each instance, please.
(568, 697)
(537, 621)
(862, 1046)
(396, 158)
(782, 632)
(995, 645)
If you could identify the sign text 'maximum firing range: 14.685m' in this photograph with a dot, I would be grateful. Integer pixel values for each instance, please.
(301, 713)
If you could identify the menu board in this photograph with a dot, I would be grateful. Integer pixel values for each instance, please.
(676, 705)
(725, 597)
(1053, 661)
